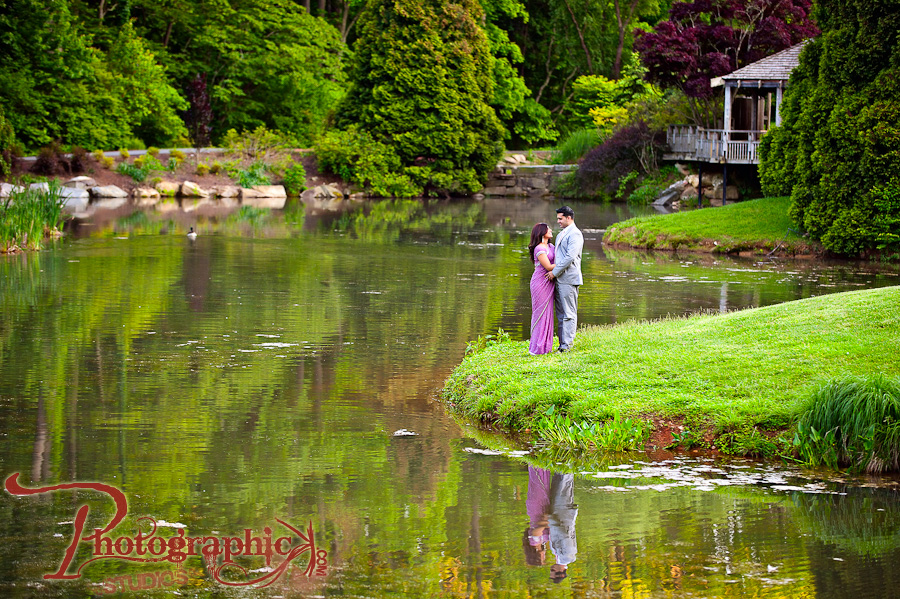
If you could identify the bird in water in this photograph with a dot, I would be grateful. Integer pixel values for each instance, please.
(192, 234)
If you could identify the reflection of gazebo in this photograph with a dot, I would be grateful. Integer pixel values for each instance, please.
(752, 104)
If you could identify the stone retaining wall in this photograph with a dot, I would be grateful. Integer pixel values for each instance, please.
(525, 179)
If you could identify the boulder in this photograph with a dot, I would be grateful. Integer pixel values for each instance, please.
(270, 191)
(107, 191)
(145, 192)
(229, 201)
(711, 180)
(328, 191)
(731, 193)
(520, 158)
(7, 188)
(76, 199)
(45, 187)
(189, 189)
(684, 169)
(670, 194)
(227, 191)
(167, 188)
(80, 182)
(692, 181)
(689, 192)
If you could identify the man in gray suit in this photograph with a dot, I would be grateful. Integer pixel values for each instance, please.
(567, 274)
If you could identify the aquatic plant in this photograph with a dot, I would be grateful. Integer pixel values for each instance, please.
(852, 421)
(485, 341)
(29, 215)
(618, 434)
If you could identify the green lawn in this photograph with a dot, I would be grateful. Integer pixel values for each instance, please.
(753, 367)
(752, 225)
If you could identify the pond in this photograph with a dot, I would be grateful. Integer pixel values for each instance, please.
(283, 370)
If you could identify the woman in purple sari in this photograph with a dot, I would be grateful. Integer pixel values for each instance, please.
(542, 254)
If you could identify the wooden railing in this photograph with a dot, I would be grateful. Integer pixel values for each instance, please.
(713, 145)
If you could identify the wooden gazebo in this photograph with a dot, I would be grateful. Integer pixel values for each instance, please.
(752, 103)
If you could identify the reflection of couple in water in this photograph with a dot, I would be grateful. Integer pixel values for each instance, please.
(551, 510)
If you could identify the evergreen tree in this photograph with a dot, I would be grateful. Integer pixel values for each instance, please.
(421, 83)
(837, 151)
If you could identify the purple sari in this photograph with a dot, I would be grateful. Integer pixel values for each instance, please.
(542, 306)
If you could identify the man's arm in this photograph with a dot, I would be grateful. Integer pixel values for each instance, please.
(568, 250)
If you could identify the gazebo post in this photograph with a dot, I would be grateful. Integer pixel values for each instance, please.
(700, 185)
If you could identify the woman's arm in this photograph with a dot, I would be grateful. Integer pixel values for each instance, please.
(542, 258)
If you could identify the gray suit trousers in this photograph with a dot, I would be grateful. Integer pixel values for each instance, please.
(565, 300)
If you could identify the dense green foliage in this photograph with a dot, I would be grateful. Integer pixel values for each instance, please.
(852, 421)
(421, 82)
(838, 150)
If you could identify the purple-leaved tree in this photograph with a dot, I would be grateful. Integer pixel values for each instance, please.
(709, 38)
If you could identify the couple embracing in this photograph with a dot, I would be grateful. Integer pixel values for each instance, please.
(555, 282)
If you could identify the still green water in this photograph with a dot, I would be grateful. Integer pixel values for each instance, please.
(286, 366)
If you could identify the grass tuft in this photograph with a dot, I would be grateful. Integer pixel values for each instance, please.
(852, 421)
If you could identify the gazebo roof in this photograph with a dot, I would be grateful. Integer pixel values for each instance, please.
(775, 68)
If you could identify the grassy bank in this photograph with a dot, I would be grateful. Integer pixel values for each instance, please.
(752, 226)
(735, 379)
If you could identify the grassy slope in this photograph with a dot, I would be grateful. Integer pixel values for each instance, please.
(750, 367)
(755, 224)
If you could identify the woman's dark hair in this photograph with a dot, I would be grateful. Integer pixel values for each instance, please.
(537, 237)
(532, 552)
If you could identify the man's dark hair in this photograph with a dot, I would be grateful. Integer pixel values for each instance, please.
(566, 211)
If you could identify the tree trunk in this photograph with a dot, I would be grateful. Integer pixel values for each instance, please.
(623, 25)
(581, 38)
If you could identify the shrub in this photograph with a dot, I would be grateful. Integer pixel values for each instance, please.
(124, 153)
(131, 170)
(202, 169)
(107, 162)
(177, 155)
(357, 158)
(575, 145)
(294, 180)
(632, 148)
(78, 160)
(254, 175)
(853, 421)
(7, 142)
(153, 151)
(216, 167)
(259, 145)
(51, 161)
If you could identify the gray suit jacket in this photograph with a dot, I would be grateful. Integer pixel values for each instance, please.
(568, 256)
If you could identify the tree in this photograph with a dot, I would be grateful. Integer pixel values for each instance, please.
(837, 151)
(421, 82)
(526, 121)
(709, 38)
(57, 87)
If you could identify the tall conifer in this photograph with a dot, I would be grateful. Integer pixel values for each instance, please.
(421, 83)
